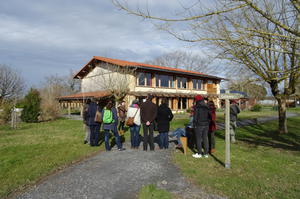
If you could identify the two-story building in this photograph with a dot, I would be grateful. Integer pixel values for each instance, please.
(177, 85)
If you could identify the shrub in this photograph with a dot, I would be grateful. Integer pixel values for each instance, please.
(275, 108)
(5, 112)
(31, 110)
(256, 108)
(50, 109)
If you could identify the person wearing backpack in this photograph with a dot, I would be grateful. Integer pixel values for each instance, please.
(201, 120)
(110, 122)
(122, 116)
(94, 125)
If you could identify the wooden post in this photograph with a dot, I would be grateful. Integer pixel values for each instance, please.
(69, 110)
(227, 133)
(227, 96)
(184, 144)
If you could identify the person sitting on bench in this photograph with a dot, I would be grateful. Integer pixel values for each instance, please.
(181, 132)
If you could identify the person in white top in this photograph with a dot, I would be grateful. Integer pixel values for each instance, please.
(134, 111)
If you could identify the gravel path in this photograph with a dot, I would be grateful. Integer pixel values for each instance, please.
(117, 175)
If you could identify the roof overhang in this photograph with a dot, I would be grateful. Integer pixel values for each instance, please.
(92, 64)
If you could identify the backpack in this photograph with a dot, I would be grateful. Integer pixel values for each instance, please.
(107, 116)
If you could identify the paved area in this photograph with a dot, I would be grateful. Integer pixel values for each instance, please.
(119, 175)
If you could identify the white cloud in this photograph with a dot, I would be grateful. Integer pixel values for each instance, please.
(48, 35)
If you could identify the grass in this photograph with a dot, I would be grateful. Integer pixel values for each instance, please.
(263, 164)
(35, 150)
(32, 151)
(266, 112)
(152, 192)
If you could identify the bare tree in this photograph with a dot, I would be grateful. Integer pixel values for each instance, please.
(115, 79)
(261, 35)
(11, 83)
(185, 60)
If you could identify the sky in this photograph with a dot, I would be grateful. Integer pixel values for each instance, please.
(39, 38)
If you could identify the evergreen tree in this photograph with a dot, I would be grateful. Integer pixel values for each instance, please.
(31, 110)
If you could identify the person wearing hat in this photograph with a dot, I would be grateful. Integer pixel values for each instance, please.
(201, 120)
(234, 111)
(134, 112)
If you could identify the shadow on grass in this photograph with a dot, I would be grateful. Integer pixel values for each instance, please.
(217, 160)
(260, 135)
(266, 135)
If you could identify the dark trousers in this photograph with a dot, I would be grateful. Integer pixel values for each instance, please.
(94, 137)
(201, 137)
(211, 140)
(121, 125)
(164, 140)
(148, 136)
(135, 135)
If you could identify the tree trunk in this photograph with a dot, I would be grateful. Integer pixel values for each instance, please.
(282, 121)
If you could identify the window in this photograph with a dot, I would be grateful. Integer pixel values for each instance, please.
(164, 81)
(184, 103)
(197, 84)
(179, 104)
(181, 82)
(144, 79)
(141, 79)
(172, 81)
(148, 79)
(156, 80)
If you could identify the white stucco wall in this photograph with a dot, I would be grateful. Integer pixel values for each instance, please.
(94, 81)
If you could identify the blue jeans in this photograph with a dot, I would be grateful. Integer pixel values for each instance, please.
(106, 139)
(179, 132)
(164, 140)
(135, 135)
(94, 137)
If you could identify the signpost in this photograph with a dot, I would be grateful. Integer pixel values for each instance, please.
(227, 96)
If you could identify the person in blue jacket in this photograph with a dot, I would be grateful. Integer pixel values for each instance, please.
(110, 123)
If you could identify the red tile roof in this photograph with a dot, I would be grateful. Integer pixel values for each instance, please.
(123, 63)
(96, 94)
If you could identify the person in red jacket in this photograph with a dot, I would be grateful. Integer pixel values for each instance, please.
(212, 127)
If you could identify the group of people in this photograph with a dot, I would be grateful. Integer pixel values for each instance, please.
(112, 119)
(152, 118)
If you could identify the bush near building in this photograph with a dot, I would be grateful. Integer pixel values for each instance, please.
(5, 112)
(31, 103)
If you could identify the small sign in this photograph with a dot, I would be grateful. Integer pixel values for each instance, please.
(230, 96)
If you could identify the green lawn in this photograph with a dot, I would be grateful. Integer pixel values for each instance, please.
(152, 192)
(35, 150)
(266, 112)
(264, 165)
